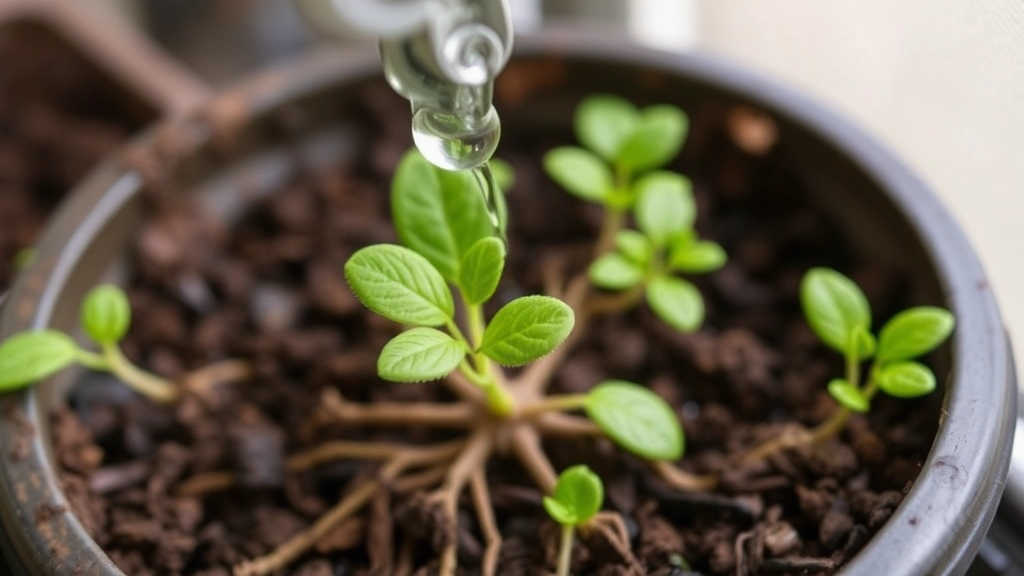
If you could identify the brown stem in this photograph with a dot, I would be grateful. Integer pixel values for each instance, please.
(795, 436)
(488, 525)
(403, 567)
(526, 445)
(613, 221)
(565, 426)
(832, 426)
(681, 480)
(420, 480)
(458, 415)
(340, 449)
(613, 528)
(602, 304)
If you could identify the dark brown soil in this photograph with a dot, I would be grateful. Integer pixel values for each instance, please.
(58, 117)
(271, 290)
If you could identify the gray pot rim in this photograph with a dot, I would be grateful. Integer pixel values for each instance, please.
(936, 530)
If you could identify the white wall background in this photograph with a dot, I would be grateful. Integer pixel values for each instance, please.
(940, 82)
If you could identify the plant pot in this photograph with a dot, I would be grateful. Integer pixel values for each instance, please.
(303, 112)
(75, 87)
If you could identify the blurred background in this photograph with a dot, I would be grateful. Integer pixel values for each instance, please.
(940, 83)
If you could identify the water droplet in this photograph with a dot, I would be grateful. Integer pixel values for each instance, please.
(448, 142)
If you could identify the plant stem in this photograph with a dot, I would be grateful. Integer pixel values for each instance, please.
(565, 550)
(558, 403)
(146, 383)
(614, 219)
(481, 372)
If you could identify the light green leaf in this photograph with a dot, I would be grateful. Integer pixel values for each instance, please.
(30, 356)
(503, 173)
(438, 213)
(526, 329)
(848, 395)
(481, 270)
(578, 497)
(677, 302)
(655, 141)
(637, 419)
(23, 259)
(580, 172)
(106, 314)
(697, 257)
(914, 332)
(604, 122)
(906, 380)
(834, 307)
(400, 285)
(418, 355)
(635, 246)
(613, 271)
(664, 205)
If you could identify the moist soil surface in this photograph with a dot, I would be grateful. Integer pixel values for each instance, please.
(269, 289)
(58, 118)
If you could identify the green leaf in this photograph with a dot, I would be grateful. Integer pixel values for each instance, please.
(106, 314)
(848, 395)
(578, 497)
(526, 329)
(906, 380)
(863, 342)
(580, 172)
(613, 271)
(635, 246)
(481, 270)
(834, 307)
(30, 356)
(23, 259)
(418, 355)
(655, 141)
(503, 173)
(914, 332)
(438, 213)
(637, 419)
(677, 302)
(664, 206)
(400, 285)
(697, 257)
(604, 122)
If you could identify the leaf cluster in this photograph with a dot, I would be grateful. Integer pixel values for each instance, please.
(838, 312)
(28, 357)
(449, 253)
(618, 167)
(578, 496)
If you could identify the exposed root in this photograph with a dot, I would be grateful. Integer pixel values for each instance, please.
(613, 528)
(488, 525)
(471, 459)
(340, 449)
(338, 411)
(285, 554)
(567, 426)
(790, 437)
(681, 480)
(420, 480)
(602, 304)
(203, 380)
(403, 566)
(526, 446)
(459, 385)
(203, 484)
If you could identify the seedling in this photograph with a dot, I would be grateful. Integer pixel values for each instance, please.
(618, 169)
(105, 316)
(838, 312)
(578, 496)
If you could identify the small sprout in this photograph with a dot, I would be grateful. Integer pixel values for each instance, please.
(839, 314)
(636, 419)
(28, 357)
(618, 169)
(578, 497)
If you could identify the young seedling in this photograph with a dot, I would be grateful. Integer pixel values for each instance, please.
(578, 496)
(105, 316)
(437, 284)
(839, 314)
(618, 170)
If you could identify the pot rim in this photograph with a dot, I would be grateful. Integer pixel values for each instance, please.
(948, 509)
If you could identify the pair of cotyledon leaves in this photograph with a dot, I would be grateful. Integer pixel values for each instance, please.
(441, 219)
(578, 496)
(838, 312)
(30, 356)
